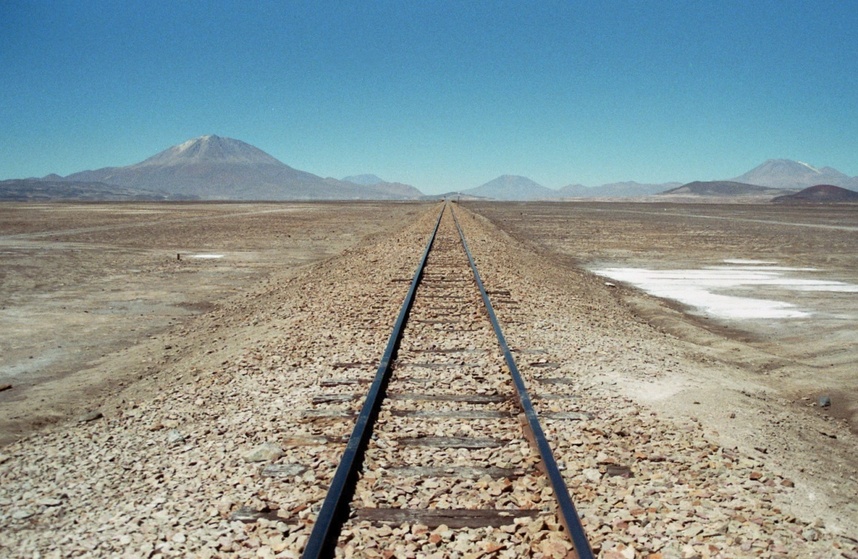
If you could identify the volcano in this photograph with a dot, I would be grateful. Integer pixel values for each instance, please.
(215, 168)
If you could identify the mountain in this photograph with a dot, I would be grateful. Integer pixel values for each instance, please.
(820, 194)
(215, 168)
(210, 149)
(394, 189)
(366, 180)
(50, 188)
(397, 190)
(785, 173)
(629, 189)
(512, 187)
(725, 189)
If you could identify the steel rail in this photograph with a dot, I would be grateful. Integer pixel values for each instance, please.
(569, 515)
(327, 526)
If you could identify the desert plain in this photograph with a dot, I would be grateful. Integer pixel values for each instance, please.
(108, 311)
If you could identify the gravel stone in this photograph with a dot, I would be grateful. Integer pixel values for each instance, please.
(265, 452)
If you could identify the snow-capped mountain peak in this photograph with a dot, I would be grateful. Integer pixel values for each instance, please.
(811, 167)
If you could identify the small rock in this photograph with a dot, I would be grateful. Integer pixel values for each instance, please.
(51, 502)
(22, 514)
(692, 531)
(174, 437)
(5, 387)
(252, 514)
(265, 452)
(609, 284)
(4, 458)
(619, 470)
(91, 416)
(810, 535)
(283, 470)
(592, 474)
(824, 401)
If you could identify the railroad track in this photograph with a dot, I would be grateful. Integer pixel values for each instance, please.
(447, 455)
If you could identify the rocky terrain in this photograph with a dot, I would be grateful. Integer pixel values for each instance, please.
(171, 463)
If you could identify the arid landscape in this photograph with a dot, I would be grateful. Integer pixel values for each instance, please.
(784, 388)
(89, 291)
(819, 241)
(140, 334)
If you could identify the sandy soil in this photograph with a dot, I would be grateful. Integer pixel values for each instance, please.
(93, 294)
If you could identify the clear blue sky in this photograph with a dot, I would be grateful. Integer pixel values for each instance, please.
(441, 95)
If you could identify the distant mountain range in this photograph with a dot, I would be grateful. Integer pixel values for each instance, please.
(511, 187)
(393, 189)
(34, 190)
(514, 187)
(366, 180)
(775, 177)
(215, 168)
(629, 189)
(726, 189)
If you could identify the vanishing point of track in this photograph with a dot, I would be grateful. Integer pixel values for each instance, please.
(447, 434)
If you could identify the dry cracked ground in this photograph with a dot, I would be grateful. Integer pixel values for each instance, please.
(150, 348)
